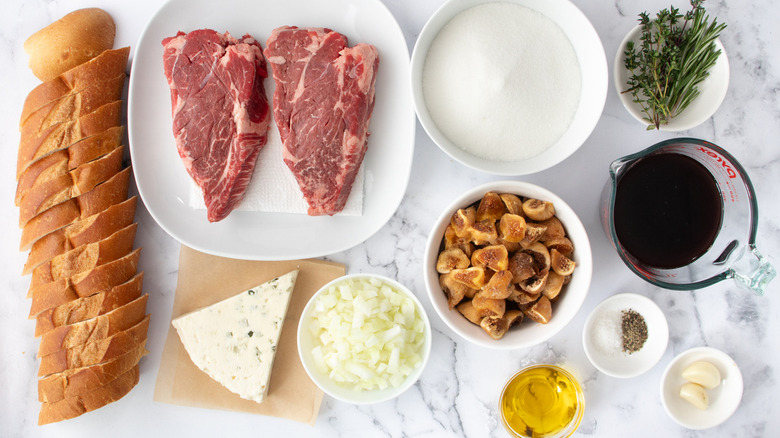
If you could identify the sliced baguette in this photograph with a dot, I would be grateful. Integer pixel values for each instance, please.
(73, 106)
(82, 285)
(88, 230)
(93, 353)
(85, 257)
(89, 307)
(71, 407)
(92, 330)
(96, 200)
(65, 160)
(58, 137)
(76, 382)
(107, 65)
(84, 178)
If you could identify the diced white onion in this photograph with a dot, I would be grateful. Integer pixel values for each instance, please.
(367, 335)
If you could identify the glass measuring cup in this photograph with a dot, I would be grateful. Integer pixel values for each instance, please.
(732, 254)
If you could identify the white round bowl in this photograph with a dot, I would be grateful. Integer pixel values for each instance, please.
(593, 64)
(343, 393)
(712, 89)
(619, 364)
(723, 399)
(564, 308)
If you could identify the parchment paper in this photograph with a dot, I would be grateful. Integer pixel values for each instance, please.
(205, 279)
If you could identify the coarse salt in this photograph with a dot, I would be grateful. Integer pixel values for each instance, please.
(608, 333)
(502, 81)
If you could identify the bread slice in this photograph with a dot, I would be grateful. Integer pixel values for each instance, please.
(71, 407)
(96, 200)
(95, 352)
(91, 330)
(76, 382)
(85, 257)
(63, 161)
(73, 106)
(46, 194)
(60, 136)
(107, 65)
(92, 306)
(88, 230)
(84, 284)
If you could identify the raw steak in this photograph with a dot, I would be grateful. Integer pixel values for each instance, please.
(322, 105)
(220, 112)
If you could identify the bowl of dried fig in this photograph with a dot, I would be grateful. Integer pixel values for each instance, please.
(507, 265)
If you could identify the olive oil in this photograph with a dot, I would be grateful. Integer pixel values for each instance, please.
(542, 401)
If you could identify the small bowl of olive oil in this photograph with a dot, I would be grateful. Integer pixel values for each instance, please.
(542, 401)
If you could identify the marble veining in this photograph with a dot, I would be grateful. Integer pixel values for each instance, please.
(457, 394)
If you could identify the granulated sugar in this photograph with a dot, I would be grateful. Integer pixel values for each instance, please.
(502, 81)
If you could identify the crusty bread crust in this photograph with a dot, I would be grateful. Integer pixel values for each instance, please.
(90, 330)
(60, 136)
(75, 382)
(96, 200)
(77, 220)
(82, 285)
(72, 106)
(65, 160)
(71, 407)
(70, 41)
(84, 231)
(108, 64)
(93, 353)
(57, 189)
(89, 307)
(86, 257)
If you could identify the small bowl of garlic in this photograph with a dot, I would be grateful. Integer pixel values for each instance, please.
(701, 388)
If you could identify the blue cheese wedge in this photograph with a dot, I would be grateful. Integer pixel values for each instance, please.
(234, 341)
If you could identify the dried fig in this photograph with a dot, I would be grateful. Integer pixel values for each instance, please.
(499, 286)
(513, 204)
(483, 233)
(468, 310)
(541, 311)
(538, 210)
(521, 265)
(490, 208)
(462, 220)
(512, 228)
(453, 258)
(494, 257)
(488, 306)
(562, 244)
(473, 277)
(561, 264)
(497, 327)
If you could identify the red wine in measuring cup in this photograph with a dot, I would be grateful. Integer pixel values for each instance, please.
(667, 210)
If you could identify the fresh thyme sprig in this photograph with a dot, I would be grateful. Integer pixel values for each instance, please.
(674, 55)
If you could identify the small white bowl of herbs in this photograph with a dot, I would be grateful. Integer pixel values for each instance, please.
(671, 71)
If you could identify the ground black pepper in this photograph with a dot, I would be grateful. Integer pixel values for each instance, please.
(634, 331)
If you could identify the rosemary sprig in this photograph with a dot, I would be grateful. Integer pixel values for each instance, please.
(674, 54)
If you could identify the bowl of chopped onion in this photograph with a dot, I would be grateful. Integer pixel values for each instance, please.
(364, 338)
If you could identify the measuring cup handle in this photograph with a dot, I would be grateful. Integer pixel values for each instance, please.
(758, 273)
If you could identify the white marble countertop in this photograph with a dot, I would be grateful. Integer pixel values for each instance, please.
(458, 392)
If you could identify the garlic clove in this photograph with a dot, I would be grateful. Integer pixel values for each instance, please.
(703, 373)
(695, 395)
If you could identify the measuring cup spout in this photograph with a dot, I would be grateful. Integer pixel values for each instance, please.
(754, 272)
